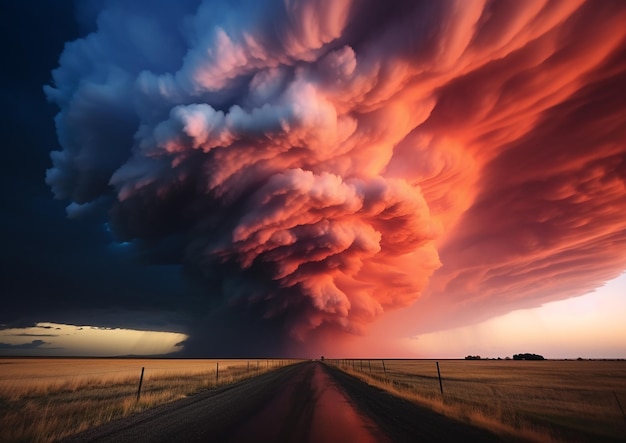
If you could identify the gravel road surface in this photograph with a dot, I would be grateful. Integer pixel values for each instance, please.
(305, 403)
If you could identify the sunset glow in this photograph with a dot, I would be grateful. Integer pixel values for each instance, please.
(52, 339)
(590, 326)
(347, 175)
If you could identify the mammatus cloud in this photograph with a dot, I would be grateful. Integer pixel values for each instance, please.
(320, 163)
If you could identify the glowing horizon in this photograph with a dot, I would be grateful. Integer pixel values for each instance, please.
(54, 339)
(547, 330)
(562, 329)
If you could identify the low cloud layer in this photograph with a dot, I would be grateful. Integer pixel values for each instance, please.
(313, 165)
(32, 345)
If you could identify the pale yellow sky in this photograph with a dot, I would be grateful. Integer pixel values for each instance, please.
(88, 341)
(590, 326)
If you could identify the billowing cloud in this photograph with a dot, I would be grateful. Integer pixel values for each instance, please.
(319, 163)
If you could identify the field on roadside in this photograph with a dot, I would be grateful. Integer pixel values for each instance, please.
(535, 400)
(44, 399)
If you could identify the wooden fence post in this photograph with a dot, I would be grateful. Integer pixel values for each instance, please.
(384, 368)
(369, 362)
(620, 405)
(439, 374)
(217, 373)
(140, 382)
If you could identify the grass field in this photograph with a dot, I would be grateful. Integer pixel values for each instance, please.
(577, 401)
(42, 400)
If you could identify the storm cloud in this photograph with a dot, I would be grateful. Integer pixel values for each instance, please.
(312, 165)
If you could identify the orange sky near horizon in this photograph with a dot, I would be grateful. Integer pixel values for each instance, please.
(589, 326)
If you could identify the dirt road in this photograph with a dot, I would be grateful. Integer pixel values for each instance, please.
(304, 403)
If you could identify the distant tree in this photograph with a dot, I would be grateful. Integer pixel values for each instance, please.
(472, 357)
(528, 356)
(322, 358)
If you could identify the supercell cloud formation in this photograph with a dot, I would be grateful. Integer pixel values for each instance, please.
(319, 163)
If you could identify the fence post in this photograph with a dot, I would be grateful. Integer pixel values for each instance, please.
(620, 405)
(369, 362)
(439, 374)
(248, 366)
(140, 382)
(384, 368)
(217, 373)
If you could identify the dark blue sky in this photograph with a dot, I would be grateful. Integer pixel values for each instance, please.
(53, 268)
(74, 271)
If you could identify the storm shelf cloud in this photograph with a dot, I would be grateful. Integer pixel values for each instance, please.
(312, 165)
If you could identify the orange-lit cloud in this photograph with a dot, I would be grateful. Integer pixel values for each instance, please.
(325, 162)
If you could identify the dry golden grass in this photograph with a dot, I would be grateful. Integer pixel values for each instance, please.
(42, 400)
(530, 400)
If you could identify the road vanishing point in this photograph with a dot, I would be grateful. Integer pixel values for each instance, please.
(308, 402)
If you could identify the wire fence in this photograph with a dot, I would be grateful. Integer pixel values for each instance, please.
(577, 400)
(44, 400)
(21, 378)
